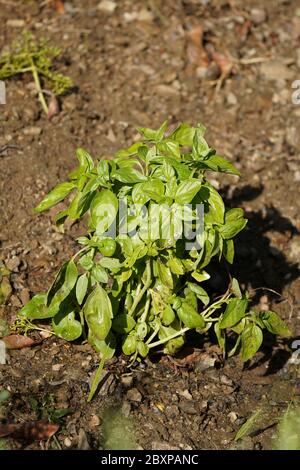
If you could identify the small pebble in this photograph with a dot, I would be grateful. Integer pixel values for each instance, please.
(107, 6)
(32, 131)
(95, 421)
(134, 395)
(258, 15)
(67, 442)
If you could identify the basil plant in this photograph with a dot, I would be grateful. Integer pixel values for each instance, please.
(154, 224)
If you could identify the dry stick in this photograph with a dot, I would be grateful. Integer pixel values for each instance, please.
(7, 147)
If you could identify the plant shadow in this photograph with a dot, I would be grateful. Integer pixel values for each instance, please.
(261, 267)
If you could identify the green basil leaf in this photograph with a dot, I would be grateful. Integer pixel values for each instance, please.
(168, 316)
(142, 348)
(228, 250)
(174, 345)
(98, 313)
(231, 215)
(200, 276)
(153, 189)
(103, 169)
(66, 327)
(63, 283)
(235, 348)
(175, 266)
(129, 344)
(110, 263)
(123, 323)
(190, 317)
(153, 135)
(104, 208)
(200, 292)
(216, 210)
(182, 170)
(86, 261)
(274, 323)
(200, 148)
(169, 148)
(220, 164)
(130, 151)
(220, 334)
(235, 288)
(184, 135)
(239, 327)
(99, 273)
(36, 308)
(235, 311)
(106, 347)
(85, 160)
(187, 190)
(128, 175)
(81, 288)
(231, 229)
(164, 274)
(55, 196)
(251, 339)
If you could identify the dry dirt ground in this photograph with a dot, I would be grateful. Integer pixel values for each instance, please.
(137, 66)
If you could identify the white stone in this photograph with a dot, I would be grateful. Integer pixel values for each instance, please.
(107, 6)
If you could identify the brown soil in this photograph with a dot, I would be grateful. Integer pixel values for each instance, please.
(132, 69)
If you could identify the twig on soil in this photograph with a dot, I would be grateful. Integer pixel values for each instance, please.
(253, 60)
(7, 147)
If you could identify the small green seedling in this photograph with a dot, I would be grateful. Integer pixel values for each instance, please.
(28, 56)
(142, 288)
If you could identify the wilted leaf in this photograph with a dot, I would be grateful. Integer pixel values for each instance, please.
(32, 431)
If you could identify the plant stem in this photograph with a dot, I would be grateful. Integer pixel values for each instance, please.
(143, 290)
(156, 330)
(165, 340)
(38, 86)
(207, 312)
(80, 251)
(146, 309)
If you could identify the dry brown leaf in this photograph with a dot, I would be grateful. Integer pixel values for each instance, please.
(243, 30)
(18, 341)
(225, 63)
(34, 430)
(58, 6)
(53, 107)
(196, 53)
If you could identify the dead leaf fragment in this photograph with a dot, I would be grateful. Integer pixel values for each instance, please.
(34, 430)
(53, 107)
(18, 341)
(225, 63)
(58, 6)
(196, 53)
